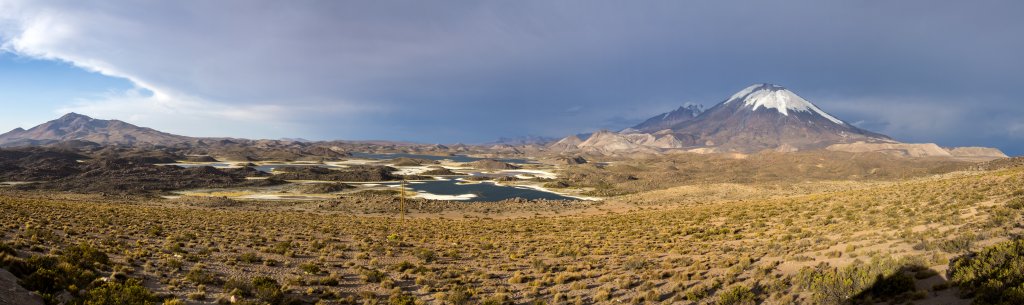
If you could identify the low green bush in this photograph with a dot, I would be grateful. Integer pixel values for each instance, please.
(130, 292)
(267, 289)
(993, 275)
(882, 278)
(737, 295)
(75, 270)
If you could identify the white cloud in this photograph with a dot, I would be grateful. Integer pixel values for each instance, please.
(445, 71)
(193, 116)
(243, 79)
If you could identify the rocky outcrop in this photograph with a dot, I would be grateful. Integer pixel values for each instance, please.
(504, 148)
(898, 149)
(610, 142)
(977, 152)
(363, 173)
(13, 294)
(577, 160)
(1001, 163)
(118, 177)
(200, 159)
(567, 144)
(404, 161)
(439, 171)
(667, 141)
(918, 150)
(319, 188)
(492, 164)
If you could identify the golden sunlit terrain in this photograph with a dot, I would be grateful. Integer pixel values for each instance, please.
(819, 241)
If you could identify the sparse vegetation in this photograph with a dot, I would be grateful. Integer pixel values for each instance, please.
(713, 242)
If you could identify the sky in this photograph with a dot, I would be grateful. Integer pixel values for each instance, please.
(947, 72)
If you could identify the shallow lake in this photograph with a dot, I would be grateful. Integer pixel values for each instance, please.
(263, 168)
(451, 189)
(186, 165)
(270, 167)
(456, 158)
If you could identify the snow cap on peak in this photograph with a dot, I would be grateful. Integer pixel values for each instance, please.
(779, 98)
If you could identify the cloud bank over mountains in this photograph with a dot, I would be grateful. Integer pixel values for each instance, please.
(451, 71)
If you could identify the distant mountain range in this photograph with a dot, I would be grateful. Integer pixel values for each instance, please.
(758, 118)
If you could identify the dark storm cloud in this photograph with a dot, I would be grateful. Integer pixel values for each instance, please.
(432, 71)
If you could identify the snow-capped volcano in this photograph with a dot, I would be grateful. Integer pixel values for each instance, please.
(758, 118)
(779, 98)
(766, 116)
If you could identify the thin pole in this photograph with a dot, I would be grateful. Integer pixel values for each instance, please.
(402, 207)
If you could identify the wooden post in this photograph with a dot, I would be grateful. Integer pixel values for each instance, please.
(402, 207)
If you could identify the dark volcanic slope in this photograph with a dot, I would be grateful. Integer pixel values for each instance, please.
(75, 126)
(669, 119)
(766, 116)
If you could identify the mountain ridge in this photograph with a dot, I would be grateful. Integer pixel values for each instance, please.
(684, 113)
(74, 126)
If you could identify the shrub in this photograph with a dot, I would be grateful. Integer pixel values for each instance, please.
(5, 248)
(238, 286)
(426, 255)
(457, 296)
(696, 293)
(400, 298)
(202, 277)
(310, 268)
(267, 289)
(373, 276)
(737, 295)
(280, 248)
(958, 244)
(497, 299)
(75, 268)
(635, 264)
(130, 292)
(992, 276)
(404, 265)
(831, 285)
(249, 258)
(517, 278)
(1016, 203)
(85, 256)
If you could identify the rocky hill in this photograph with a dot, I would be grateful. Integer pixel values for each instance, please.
(77, 127)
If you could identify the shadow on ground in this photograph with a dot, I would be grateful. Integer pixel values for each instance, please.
(911, 283)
